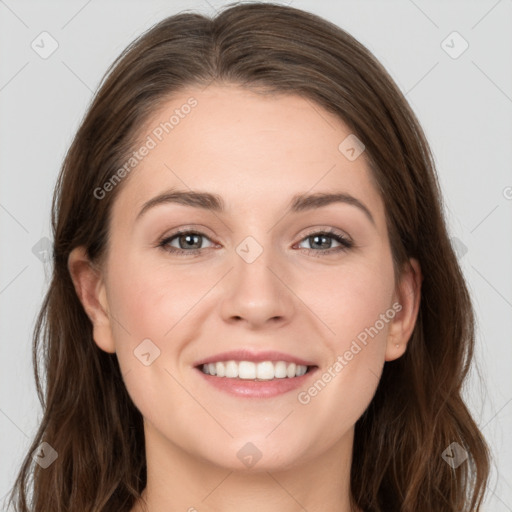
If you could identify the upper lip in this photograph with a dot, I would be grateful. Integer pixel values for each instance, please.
(249, 355)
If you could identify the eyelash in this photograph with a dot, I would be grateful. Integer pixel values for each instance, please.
(345, 243)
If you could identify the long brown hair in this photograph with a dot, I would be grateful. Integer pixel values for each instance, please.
(417, 411)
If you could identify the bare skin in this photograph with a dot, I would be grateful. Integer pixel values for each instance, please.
(299, 296)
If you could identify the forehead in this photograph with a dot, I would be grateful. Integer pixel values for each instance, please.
(254, 150)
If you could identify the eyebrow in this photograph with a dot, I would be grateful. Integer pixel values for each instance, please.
(215, 203)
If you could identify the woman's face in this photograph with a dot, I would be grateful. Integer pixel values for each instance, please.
(257, 275)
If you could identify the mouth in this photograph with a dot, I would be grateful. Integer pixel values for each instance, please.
(246, 373)
(250, 380)
(255, 371)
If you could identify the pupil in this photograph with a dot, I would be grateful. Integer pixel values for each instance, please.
(188, 238)
(323, 237)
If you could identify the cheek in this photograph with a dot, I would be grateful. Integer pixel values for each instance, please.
(149, 307)
(352, 299)
(149, 299)
(345, 385)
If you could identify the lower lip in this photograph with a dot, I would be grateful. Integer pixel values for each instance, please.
(257, 388)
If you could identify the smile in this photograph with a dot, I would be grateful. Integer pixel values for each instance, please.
(247, 379)
(248, 370)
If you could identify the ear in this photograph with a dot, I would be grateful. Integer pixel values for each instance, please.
(408, 295)
(90, 288)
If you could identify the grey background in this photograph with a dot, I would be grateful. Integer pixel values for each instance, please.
(463, 103)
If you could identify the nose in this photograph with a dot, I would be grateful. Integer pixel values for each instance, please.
(257, 292)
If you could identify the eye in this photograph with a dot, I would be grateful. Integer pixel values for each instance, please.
(189, 242)
(321, 242)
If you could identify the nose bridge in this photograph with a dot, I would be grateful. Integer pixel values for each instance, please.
(256, 293)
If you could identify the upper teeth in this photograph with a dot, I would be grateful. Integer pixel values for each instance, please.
(265, 370)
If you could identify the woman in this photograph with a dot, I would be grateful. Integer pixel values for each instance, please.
(255, 304)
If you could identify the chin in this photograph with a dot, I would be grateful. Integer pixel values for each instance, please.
(256, 455)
